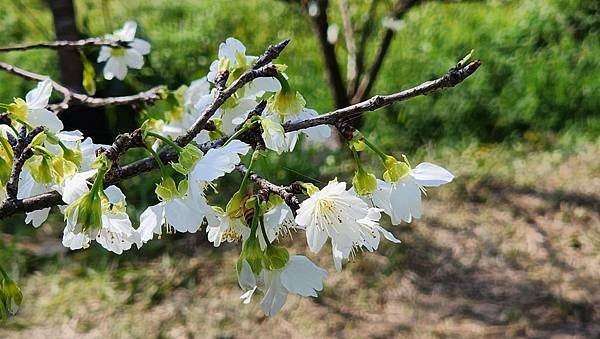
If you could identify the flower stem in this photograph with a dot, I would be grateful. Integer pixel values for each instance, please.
(163, 169)
(356, 159)
(264, 232)
(166, 141)
(236, 134)
(375, 149)
(254, 225)
(247, 174)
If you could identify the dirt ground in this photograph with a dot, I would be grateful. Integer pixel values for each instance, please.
(510, 249)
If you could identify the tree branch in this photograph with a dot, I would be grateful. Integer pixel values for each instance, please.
(21, 154)
(65, 44)
(74, 98)
(332, 67)
(367, 82)
(450, 79)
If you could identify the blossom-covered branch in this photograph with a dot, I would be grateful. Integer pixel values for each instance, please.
(244, 110)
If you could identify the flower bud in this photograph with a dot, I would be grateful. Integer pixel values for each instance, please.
(167, 189)
(188, 157)
(18, 109)
(11, 293)
(275, 257)
(394, 169)
(364, 182)
(86, 212)
(286, 102)
(40, 168)
(252, 253)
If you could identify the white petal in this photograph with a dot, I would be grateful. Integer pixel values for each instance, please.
(114, 194)
(104, 54)
(218, 161)
(43, 117)
(38, 97)
(247, 296)
(127, 33)
(246, 277)
(275, 294)
(315, 238)
(230, 47)
(37, 218)
(141, 46)
(302, 276)
(133, 59)
(388, 235)
(151, 221)
(430, 175)
(183, 215)
(115, 67)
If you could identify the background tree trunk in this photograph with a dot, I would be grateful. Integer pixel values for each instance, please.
(90, 121)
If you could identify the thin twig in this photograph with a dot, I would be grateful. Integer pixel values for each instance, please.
(73, 98)
(21, 154)
(451, 79)
(65, 44)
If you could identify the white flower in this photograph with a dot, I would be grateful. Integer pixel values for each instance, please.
(289, 106)
(233, 53)
(115, 234)
(274, 136)
(28, 187)
(300, 276)
(278, 220)
(401, 200)
(370, 231)
(119, 59)
(226, 228)
(218, 161)
(33, 109)
(340, 215)
(184, 213)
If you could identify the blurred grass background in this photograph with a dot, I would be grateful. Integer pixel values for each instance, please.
(518, 232)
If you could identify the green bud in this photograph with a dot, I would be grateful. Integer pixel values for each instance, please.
(75, 156)
(11, 293)
(217, 133)
(40, 138)
(150, 125)
(102, 163)
(18, 109)
(167, 189)
(275, 257)
(364, 182)
(5, 170)
(89, 210)
(286, 102)
(40, 167)
(394, 169)
(188, 157)
(252, 253)
(233, 208)
(309, 188)
(62, 168)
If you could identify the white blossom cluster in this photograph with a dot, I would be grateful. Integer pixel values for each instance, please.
(348, 217)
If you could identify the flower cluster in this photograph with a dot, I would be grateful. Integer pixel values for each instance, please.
(75, 167)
